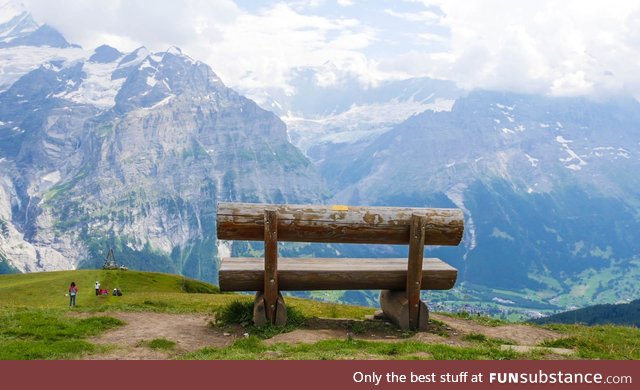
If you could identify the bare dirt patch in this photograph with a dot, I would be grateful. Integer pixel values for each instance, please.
(308, 336)
(190, 332)
(319, 329)
(520, 334)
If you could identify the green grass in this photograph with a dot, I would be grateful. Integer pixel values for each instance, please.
(142, 291)
(48, 334)
(47, 289)
(34, 323)
(161, 343)
(599, 342)
(482, 320)
(252, 348)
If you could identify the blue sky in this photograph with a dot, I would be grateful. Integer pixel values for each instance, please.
(563, 48)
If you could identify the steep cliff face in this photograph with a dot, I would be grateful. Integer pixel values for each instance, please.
(133, 151)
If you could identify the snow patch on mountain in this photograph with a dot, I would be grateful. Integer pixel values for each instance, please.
(161, 103)
(15, 62)
(533, 161)
(575, 162)
(357, 123)
(97, 88)
(135, 58)
(14, 20)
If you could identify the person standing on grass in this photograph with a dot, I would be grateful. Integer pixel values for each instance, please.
(73, 291)
(97, 288)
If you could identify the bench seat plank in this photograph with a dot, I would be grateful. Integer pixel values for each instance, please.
(299, 274)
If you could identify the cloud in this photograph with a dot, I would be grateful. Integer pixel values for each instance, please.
(552, 47)
(157, 25)
(267, 45)
(345, 3)
(426, 16)
(564, 48)
(248, 50)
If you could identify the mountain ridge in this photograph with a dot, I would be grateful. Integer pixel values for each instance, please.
(132, 150)
(618, 314)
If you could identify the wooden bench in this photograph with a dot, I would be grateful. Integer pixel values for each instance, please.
(400, 280)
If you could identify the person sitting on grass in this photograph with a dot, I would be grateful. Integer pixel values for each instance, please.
(73, 291)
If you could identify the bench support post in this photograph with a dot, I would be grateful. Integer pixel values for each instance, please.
(260, 313)
(404, 308)
(395, 306)
(414, 271)
(271, 292)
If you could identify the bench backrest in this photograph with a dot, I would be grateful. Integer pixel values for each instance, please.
(338, 224)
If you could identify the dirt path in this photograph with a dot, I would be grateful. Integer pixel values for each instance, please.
(332, 329)
(520, 334)
(190, 332)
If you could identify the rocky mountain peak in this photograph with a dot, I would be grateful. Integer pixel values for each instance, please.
(132, 151)
(18, 28)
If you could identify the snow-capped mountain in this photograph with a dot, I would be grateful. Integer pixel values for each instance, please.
(17, 28)
(131, 150)
(25, 44)
(329, 111)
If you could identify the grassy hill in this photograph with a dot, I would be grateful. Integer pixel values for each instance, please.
(142, 291)
(48, 289)
(36, 323)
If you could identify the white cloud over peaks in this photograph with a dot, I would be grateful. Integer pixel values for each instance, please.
(128, 24)
(248, 49)
(568, 47)
(542, 46)
(267, 45)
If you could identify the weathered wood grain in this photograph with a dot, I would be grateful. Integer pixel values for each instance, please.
(338, 224)
(414, 269)
(270, 263)
(300, 274)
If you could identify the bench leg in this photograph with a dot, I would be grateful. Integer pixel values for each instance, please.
(260, 313)
(395, 307)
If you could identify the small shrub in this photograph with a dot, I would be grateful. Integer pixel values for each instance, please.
(235, 313)
(241, 313)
